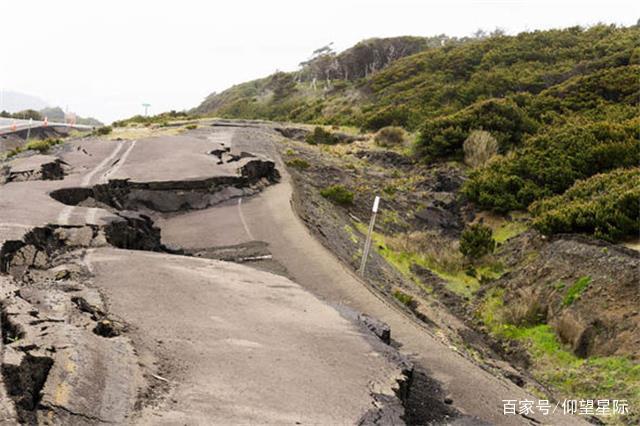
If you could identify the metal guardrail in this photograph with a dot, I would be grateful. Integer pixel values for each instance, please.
(9, 125)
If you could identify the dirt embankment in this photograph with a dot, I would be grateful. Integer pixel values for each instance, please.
(585, 289)
(15, 140)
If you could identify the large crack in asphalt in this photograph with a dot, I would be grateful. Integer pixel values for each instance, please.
(173, 196)
(24, 382)
(48, 277)
(34, 167)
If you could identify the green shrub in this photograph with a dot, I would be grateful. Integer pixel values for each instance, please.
(618, 85)
(28, 114)
(282, 84)
(477, 241)
(42, 146)
(444, 136)
(605, 205)
(298, 163)
(338, 194)
(102, 131)
(551, 162)
(575, 291)
(389, 116)
(191, 126)
(390, 136)
(405, 299)
(319, 136)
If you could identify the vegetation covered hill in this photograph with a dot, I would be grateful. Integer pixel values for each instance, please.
(53, 114)
(559, 106)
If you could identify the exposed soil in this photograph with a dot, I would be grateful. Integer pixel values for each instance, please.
(605, 317)
(602, 321)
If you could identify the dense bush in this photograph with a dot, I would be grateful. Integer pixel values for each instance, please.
(390, 136)
(479, 148)
(591, 92)
(550, 163)
(389, 116)
(477, 241)
(23, 115)
(298, 163)
(338, 194)
(445, 136)
(103, 130)
(320, 136)
(605, 205)
(42, 146)
(282, 84)
(405, 299)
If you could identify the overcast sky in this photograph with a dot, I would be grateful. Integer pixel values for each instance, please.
(105, 58)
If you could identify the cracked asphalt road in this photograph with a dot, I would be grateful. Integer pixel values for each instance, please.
(205, 341)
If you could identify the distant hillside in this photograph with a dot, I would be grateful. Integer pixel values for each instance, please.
(21, 105)
(324, 72)
(57, 114)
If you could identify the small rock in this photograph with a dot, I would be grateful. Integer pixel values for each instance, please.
(106, 328)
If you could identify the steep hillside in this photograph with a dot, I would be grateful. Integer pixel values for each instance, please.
(438, 80)
(325, 73)
(555, 107)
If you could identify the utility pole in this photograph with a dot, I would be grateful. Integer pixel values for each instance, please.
(146, 108)
(367, 244)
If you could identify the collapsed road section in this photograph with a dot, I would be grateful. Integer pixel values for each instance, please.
(102, 323)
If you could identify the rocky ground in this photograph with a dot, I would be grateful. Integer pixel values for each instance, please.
(422, 212)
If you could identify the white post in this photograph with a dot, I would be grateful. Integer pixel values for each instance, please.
(367, 244)
(29, 129)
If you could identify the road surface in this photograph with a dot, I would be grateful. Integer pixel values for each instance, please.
(236, 344)
(231, 344)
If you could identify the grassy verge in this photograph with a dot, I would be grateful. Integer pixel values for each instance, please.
(504, 229)
(42, 146)
(508, 230)
(557, 367)
(457, 280)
